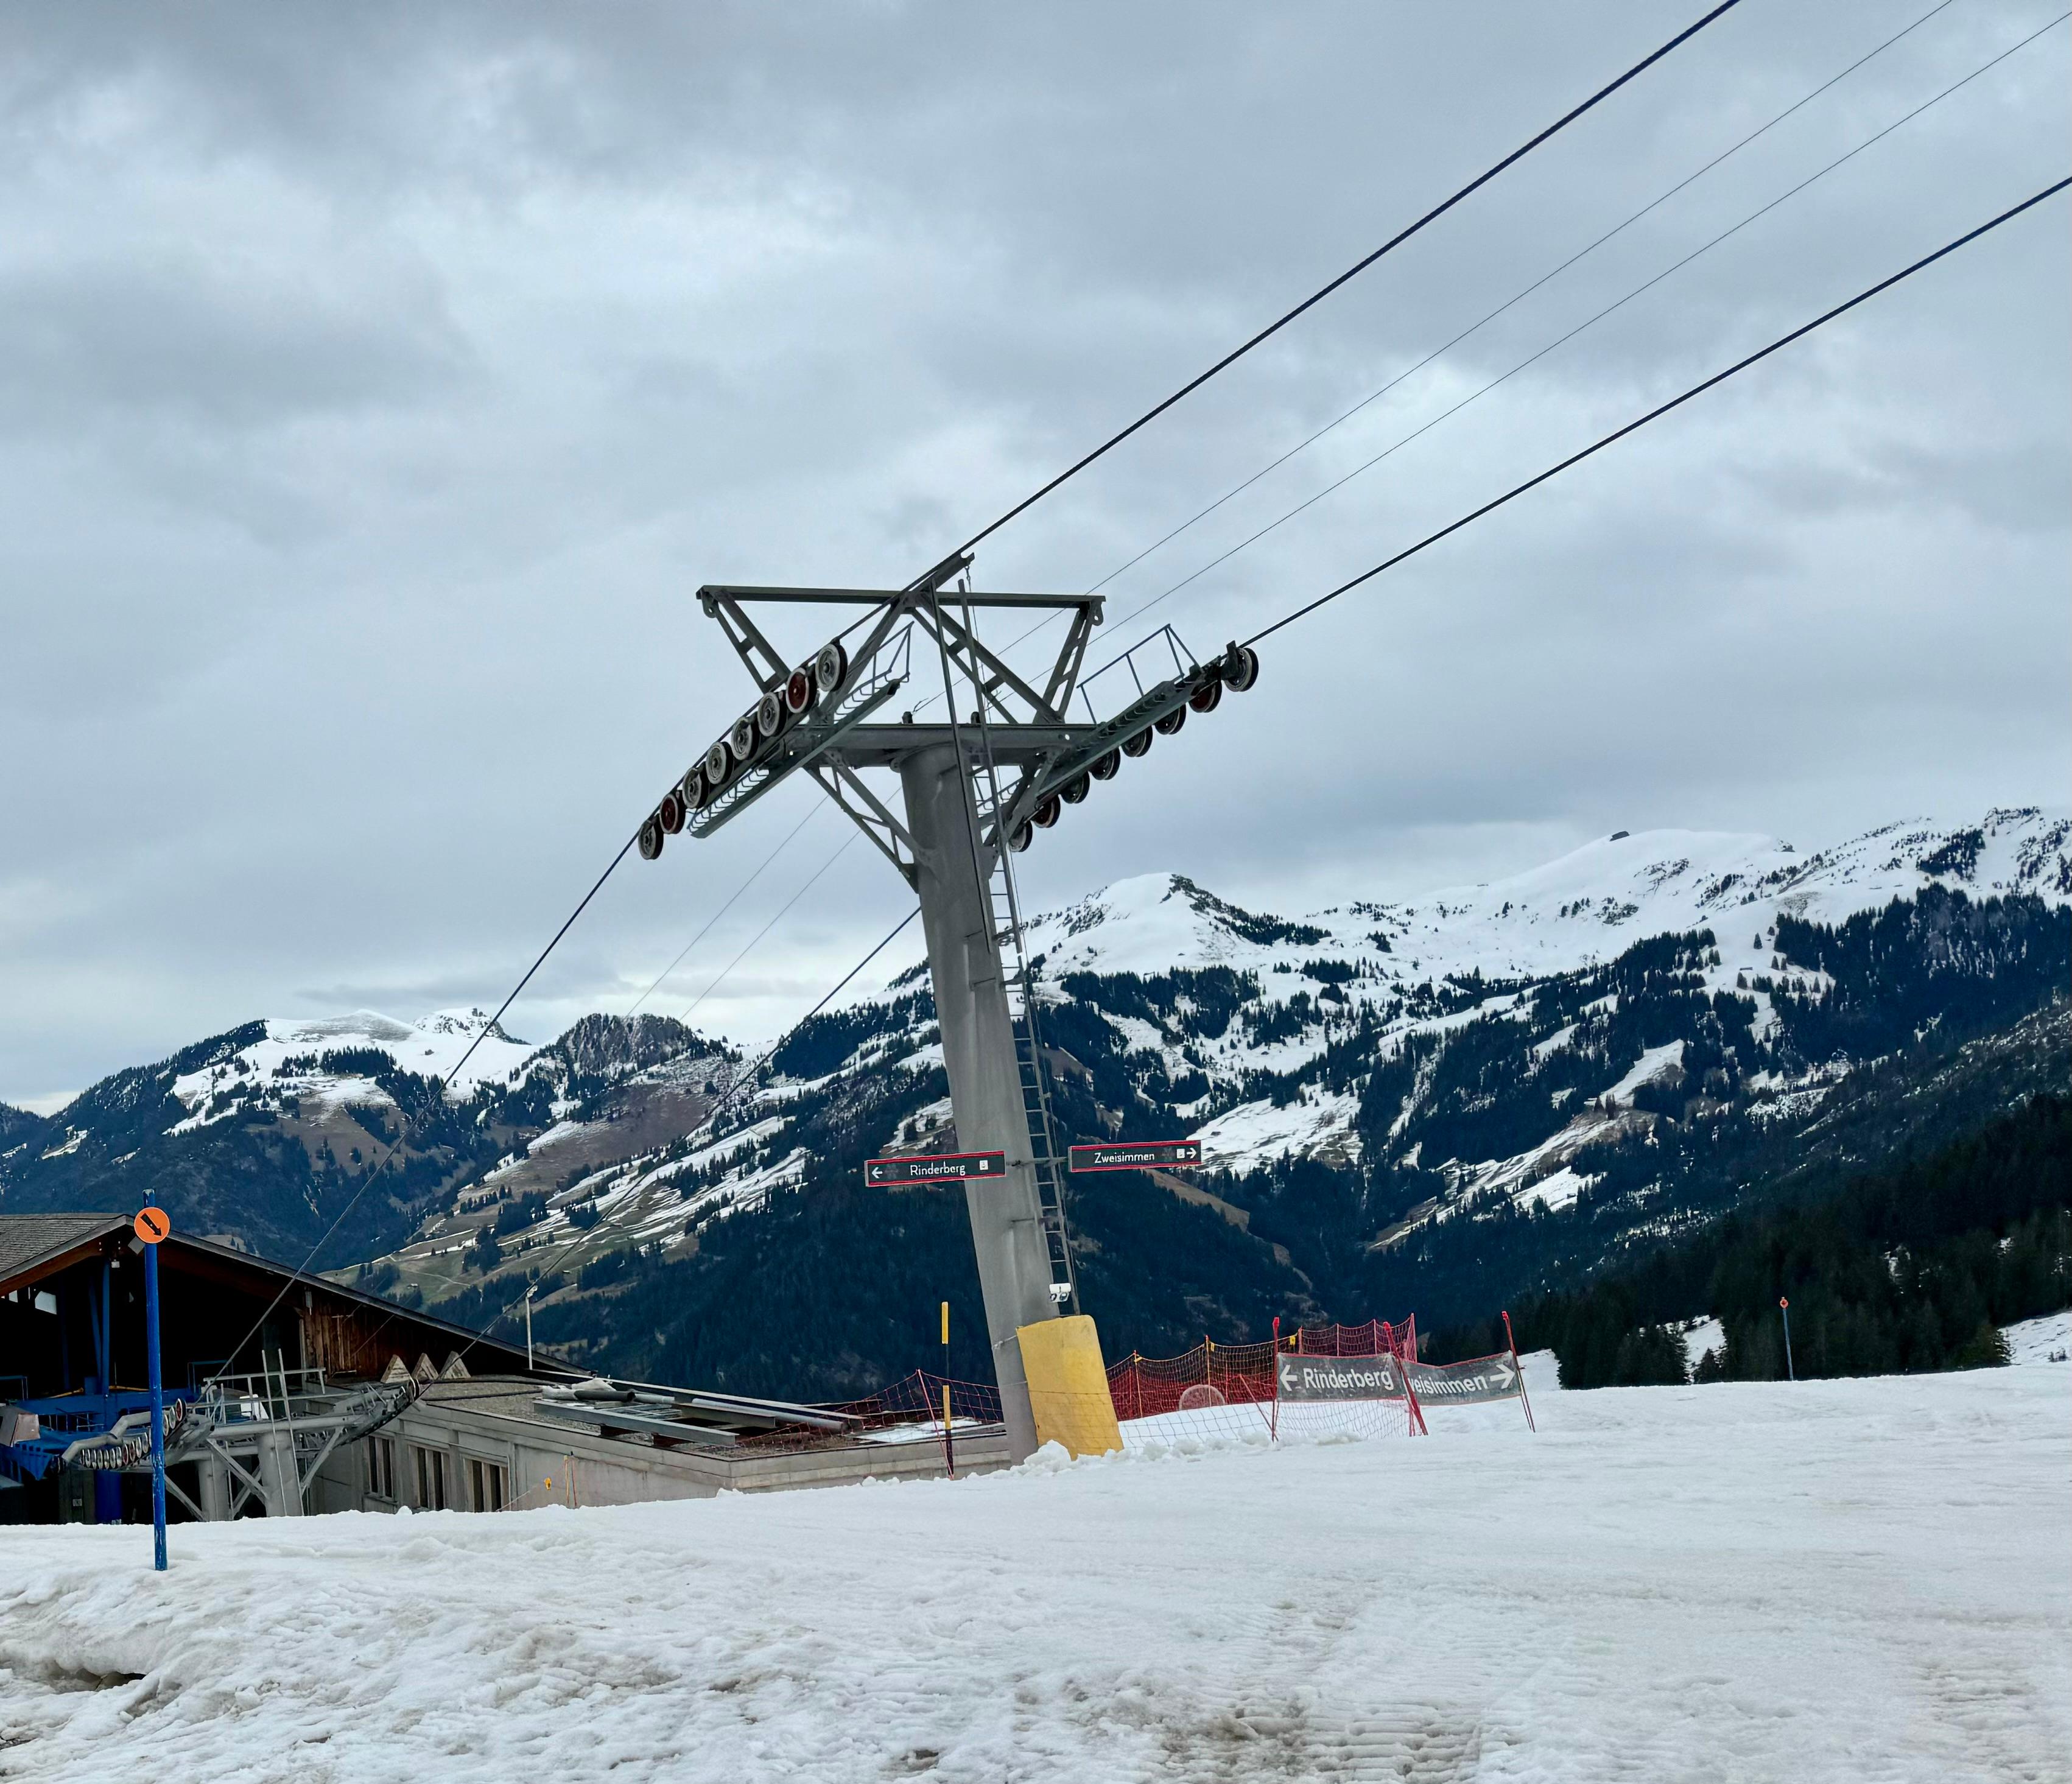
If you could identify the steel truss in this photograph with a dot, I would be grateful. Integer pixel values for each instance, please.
(1007, 753)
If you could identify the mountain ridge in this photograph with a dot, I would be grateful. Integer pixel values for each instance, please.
(1371, 1080)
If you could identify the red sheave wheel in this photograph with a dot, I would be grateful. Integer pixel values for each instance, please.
(671, 812)
(1047, 813)
(1208, 696)
(798, 691)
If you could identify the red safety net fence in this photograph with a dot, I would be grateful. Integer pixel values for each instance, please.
(1378, 1337)
(1222, 1391)
(1232, 1391)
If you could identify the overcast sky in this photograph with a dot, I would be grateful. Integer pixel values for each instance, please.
(380, 382)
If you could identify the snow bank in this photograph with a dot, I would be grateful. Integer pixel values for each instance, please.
(1836, 1580)
(2046, 1340)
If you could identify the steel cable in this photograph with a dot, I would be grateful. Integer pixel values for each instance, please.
(1661, 410)
(1322, 291)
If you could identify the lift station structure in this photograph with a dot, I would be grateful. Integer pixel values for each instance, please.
(999, 760)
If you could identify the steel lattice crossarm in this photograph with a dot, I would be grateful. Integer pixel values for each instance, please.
(824, 715)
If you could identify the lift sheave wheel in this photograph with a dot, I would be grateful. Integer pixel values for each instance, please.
(1075, 789)
(798, 692)
(769, 716)
(1208, 696)
(1171, 722)
(1024, 835)
(1137, 746)
(831, 666)
(1239, 667)
(1106, 767)
(719, 764)
(693, 787)
(1047, 812)
(650, 838)
(671, 812)
(740, 740)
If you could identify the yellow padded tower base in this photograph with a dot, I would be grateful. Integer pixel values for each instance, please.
(1068, 1385)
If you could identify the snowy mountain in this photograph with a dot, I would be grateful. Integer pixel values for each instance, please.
(1619, 1038)
(1426, 1101)
(1426, 966)
(261, 1136)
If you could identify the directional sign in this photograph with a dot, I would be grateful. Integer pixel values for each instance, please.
(152, 1225)
(940, 1167)
(1465, 1383)
(1304, 1378)
(1137, 1155)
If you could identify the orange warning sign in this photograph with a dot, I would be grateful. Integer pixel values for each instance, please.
(152, 1225)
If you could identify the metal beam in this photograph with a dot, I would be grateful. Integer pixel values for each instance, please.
(886, 745)
(748, 642)
(974, 659)
(886, 833)
(714, 592)
(177, 1492)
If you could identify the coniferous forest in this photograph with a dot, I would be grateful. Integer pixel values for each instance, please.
(1901, 1271)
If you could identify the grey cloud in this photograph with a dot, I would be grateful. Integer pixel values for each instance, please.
(216, 346)
(385, 381)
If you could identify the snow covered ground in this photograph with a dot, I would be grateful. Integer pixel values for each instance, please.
(1835, 1581)
(2046, 1340)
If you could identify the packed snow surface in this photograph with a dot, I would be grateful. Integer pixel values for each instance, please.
(1844, 1580)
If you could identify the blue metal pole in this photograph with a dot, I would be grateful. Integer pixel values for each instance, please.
(157, 1409)
(1784, 1307)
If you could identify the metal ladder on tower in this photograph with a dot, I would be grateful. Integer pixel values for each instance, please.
(1005, 908)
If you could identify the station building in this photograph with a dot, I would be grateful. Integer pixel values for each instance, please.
(290, 1394)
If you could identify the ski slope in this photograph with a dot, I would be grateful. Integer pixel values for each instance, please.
(1845, 1580)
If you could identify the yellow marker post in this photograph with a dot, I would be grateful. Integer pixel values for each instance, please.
(949, 1443)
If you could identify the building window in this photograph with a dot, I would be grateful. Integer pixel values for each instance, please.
(431, 1465)
(381, 1467)
(485, 1483)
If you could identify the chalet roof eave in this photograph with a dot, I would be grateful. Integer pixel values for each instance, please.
(89, 1233)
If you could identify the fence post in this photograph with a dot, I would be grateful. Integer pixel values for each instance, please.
(1510, 1338)
(949, 1443)
(1410, 1398)
(1273, 1418)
